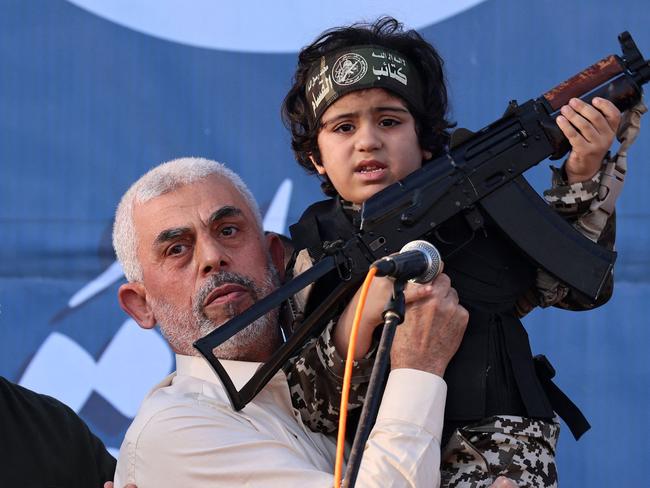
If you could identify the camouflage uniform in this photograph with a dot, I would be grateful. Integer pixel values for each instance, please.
(315, 379)
(522, 449)
(519, 448)
(316, 374)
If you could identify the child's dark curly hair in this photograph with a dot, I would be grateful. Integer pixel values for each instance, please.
(431, 124)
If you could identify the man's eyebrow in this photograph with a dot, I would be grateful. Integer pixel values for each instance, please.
(224, 212)
(170, 234)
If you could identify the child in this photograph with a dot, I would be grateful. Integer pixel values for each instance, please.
(367, 108)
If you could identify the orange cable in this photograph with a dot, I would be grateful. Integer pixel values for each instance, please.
(347, 378)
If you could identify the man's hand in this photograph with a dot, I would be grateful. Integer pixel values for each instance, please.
(590, 129)
(378, 295)
(433, 327)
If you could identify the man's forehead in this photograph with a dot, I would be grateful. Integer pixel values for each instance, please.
(184, 204)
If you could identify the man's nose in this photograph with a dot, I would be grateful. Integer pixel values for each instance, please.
(212, 257)
(368, 138)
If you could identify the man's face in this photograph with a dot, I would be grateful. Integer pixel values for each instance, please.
(204, 260)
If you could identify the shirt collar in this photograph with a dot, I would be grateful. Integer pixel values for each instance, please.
(239, 371)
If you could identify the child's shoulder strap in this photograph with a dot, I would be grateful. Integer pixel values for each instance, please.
(323, 221)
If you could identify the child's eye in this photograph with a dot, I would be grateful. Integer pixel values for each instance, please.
(344, 128)
(389, 122)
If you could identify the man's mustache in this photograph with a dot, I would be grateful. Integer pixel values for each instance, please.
(222, 278)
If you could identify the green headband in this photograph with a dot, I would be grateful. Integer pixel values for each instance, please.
(359, 68)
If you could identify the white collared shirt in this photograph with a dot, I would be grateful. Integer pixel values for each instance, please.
(187, 435)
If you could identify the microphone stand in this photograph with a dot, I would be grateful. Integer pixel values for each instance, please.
(393, 316)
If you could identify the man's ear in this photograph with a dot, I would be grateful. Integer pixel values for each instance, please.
(426, 155)
(317, 166)
(133, 300)
(279, 251)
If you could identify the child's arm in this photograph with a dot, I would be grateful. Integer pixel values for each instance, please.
(378, 295)
(315, 374)
(315, 377)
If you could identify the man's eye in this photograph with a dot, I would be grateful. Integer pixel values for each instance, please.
(344, 128)
(176, 249)
(229, 230)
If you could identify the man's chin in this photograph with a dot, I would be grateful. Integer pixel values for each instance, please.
(211, 322)
(256, 342)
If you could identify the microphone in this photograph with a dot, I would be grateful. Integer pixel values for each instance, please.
(418, 261)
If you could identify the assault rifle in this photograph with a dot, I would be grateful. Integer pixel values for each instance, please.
(482, 169)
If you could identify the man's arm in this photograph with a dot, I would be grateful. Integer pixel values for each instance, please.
(205, 443)
(500, 482)
(212, 447)
(430, 335)
(215, 447)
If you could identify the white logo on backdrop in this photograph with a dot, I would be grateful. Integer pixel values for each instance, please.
(63, 369)
(258, 25)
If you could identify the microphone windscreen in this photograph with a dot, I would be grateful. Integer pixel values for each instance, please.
(433, 256)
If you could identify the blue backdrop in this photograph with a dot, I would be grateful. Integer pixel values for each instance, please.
(87, 105)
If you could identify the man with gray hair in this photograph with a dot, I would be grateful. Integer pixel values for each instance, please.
(189, 237)
(177, 322)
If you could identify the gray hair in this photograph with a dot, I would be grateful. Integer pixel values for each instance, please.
(158, 181)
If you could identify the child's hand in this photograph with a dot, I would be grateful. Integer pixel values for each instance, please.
(590, 129)
(378, 295)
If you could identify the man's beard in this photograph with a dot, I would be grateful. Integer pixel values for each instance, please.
(254, 343)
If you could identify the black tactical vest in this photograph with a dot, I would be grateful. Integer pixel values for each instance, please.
(493, 372)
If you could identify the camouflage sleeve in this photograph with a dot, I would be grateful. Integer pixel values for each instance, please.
(315, 379)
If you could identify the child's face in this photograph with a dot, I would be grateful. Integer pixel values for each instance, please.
(367, 141)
